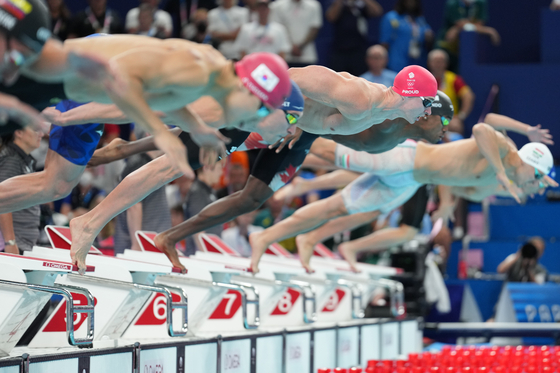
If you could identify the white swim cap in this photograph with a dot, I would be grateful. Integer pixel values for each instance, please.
(537, 155)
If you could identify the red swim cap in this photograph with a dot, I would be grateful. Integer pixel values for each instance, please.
(266, 76)
(415, 81)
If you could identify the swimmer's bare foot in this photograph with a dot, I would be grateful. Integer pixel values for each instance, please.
(108, 153)
(258, 247)
(166, 246)
(349, 256)
(82, 239)
(305, 249)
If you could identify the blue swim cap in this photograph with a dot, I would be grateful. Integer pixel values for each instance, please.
(295, 100)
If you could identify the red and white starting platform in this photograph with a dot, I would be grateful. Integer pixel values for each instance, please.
(137, 314)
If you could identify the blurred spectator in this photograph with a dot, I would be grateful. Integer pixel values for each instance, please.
(224, 24)
(523, 266)
(20, 229)
(555, 5)
(406, 34)
(251, 6)
(376, 59)
(274, 211)
(236, 174)
(303, 20)
(160, 21)
(152, 214)
(454, 86)
(467, 15)
(147, 23)
(96, 18)
(197, 29)
(83, 197)
(182, 11)
(178, 190)
(263, 35)
(200, 195)
(237, 237)
(60, 18)
(349, 18)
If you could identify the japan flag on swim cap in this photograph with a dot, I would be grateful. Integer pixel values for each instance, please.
(415, 81)
(265, 78)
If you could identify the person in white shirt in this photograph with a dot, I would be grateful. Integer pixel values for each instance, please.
(303, 19)
(263, 35)
(162, 20)
(237, 237)
(224, 24)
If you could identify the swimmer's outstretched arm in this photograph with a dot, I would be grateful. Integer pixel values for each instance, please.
(12, 108)
(121, 149)
(350, 95)
(494, 147)
(534, 133)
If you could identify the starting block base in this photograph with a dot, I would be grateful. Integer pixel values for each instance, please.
(293, 350)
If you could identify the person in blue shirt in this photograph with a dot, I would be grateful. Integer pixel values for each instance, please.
(376, 58)
(406, 34)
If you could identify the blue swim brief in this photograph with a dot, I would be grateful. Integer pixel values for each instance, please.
(75, 143)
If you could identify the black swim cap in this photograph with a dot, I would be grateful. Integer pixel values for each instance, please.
(28, 21)
(442, 105)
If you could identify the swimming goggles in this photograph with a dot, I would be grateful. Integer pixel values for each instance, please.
(427, 102)
(291, 118)
(445, 121)
(264, 111)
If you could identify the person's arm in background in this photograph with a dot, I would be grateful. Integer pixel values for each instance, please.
(7, 229)
(386, 31)
(315, 24)
(283, 42)
(534, 133)
(242, 41)
(506, 264)
(373, 9)
(467, 97)
(333, 11)
(134, 223)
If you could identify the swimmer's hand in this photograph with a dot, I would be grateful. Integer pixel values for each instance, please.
(25, 115)
(175, 151)
(509, 186)
(538, 134)
(290, 139)
(53, 116)
(108, 153)
(444, 212)
(211, 143)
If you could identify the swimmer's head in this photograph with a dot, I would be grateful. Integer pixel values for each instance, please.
(265, 75)
(418, 87)
(283, 121)
(433, 127)
(24, 29)
(537, 163)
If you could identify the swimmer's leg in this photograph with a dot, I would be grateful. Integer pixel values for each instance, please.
(250, 198)
(303, 220)
(133, 189)
(307, 241)
(56, 181)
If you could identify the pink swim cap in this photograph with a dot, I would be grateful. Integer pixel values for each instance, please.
(415, 81)
(266, 76)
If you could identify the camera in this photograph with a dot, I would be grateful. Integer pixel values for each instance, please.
(529, 251)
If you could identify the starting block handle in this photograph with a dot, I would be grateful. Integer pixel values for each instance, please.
(182, 305)
(309, 298)
(245, 302)
(71, 309)
(357, 310)
(396, 292)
